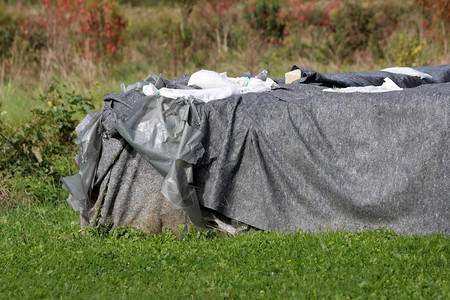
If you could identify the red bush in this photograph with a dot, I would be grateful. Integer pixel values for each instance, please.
(438, 13)
(95, 27)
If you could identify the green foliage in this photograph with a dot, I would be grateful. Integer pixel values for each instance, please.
(437, 23)
(173, 37)
(145, 3)
(408, 50)
(353, 27)
(265, 16)
(43, 255)
(36, 152)
(8, 31)
(49, 131)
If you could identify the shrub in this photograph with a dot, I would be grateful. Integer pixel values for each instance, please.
(437, 23)
(353, 25)
(265, 16)
(96, 28)
(408, 50)
(37, 152)
(47, 134)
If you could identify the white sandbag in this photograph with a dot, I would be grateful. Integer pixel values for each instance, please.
(206, 79)
(210, 79)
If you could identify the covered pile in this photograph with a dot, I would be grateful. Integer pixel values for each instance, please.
(294, 156)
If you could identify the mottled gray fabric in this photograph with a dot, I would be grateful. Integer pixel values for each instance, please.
(128, 193)
(301, 158)
(121, 188)
(289, 159)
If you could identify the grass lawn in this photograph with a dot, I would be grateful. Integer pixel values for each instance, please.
(43, 255)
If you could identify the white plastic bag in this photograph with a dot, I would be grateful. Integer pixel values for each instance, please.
(149, 90)
(206, 79)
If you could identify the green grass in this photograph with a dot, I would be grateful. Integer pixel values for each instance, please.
(43, 255)
(18, 101)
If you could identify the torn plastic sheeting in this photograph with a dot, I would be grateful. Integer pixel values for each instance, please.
(156, 127)
(90, 140)
(159, 130)
(139, 84)
(178, 188)
(158, 82)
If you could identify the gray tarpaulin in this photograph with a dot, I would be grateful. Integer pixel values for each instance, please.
(159, 130)
(79, 185)
(292, 158)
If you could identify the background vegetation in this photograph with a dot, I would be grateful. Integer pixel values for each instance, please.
(94, 45)
(51, 48)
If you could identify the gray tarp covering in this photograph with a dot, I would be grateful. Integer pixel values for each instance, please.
(159, 130)
(292, 158)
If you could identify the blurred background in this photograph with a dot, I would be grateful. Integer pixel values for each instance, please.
(94, 45)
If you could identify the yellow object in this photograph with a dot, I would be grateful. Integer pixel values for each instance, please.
(292, 76)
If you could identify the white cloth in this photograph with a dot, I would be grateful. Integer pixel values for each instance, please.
(387, 86)
(200, 94)
(407, 71)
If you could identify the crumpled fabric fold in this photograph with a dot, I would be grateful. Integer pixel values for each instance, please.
(163, 131)
(90, 141)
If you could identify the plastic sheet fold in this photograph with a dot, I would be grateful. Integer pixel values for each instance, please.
(162, 131)
(90, 141)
